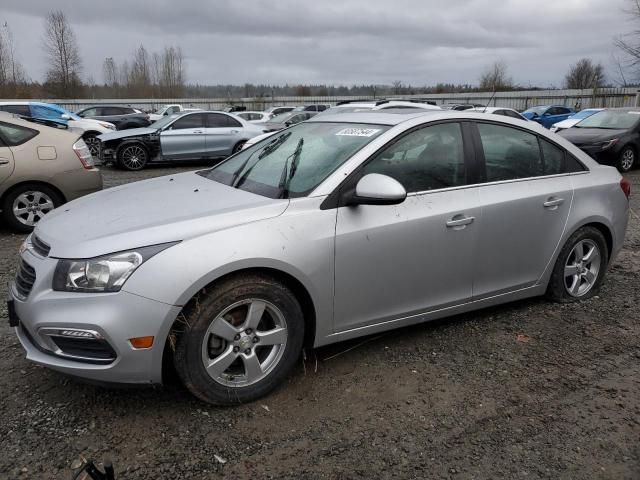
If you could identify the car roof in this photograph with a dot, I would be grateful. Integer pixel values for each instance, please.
(378, 117)
(17, 120)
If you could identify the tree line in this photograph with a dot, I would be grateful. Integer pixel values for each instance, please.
(162, 74)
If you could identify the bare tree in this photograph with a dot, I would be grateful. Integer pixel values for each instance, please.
(619, 75)
(141, 73)
(584, 74)
(110, 75)
(63, 55)
(397, 87)
(172, 76)
(496, 78)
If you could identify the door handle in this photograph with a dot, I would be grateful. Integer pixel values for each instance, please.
(459, 222)
(4, 161)
(234, 131)
(197, 131)
(552, 203)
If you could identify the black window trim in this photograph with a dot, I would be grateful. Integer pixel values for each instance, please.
(481, 160)
(336, 199)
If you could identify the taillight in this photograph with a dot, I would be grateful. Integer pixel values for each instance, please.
(625, 185)
(84, 154)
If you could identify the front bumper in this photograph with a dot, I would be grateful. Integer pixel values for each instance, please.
(114, 317)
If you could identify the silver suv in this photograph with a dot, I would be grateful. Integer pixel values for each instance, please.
(337, 227)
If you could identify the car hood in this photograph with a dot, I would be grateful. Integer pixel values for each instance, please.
(159, 210)
(568, 123)
(272, 126)
(585, 136)
(528, 115)
(131, 132)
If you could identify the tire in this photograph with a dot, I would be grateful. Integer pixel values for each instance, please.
(133, 156)
(24, 206)
(238, 147)
(572, 279)
(241, 369)
(626, 160)
(91, 139)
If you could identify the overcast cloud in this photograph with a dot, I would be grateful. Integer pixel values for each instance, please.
(420, 42)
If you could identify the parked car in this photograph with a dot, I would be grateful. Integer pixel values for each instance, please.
(349, 107)
(612, 137)
(316, 107)
(122, 117)
(312, 237)
(507, 112)
(254, 117)
(41, 167)
(459, 107)
(186, 136)
(574, 119)
(547, 115)
(235, 108)
(166, 110)
(397, 104)
(273, 111)
(285, 120)
(48, 112)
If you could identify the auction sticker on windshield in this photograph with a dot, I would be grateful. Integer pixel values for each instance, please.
(358, 132)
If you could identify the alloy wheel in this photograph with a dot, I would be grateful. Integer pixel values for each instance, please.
(133, 157)
(29, 207)
(627, 159)
(582, 268)
(244, 343)
(93, 144)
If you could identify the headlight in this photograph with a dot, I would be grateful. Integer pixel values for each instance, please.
(102, 274)
(606, 144)
(110, 126)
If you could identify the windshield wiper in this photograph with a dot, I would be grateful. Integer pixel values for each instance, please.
(285, 178)
(269, 148)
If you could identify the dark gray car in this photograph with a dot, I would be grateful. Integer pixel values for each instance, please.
(122, 117)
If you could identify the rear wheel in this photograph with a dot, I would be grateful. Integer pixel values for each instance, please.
(580, 267)
(238, 147)
(133, 157)
(26, 205)
(627, 159)
(240, 340)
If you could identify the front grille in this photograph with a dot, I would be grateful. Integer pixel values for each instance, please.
(25, 278)
(40, 247)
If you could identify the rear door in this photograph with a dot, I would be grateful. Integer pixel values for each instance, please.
(525, 198)
(11, 136)
(222, 133)
(184, 138)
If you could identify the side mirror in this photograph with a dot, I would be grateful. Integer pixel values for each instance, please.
(377, 189)
(166, 114)
(64, 116)
(546, 114)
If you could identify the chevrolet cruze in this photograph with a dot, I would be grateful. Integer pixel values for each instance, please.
(335, 228)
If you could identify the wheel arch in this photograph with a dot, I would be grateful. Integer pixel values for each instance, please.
(296, 286)
(18, 185)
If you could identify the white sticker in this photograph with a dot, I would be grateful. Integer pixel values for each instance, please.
(358, 132)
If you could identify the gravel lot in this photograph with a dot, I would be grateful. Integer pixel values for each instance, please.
(526, 390)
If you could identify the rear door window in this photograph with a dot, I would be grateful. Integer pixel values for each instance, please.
(108, 111)
(215, 120)
(509, 153)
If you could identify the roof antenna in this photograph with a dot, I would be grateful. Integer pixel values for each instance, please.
(487, 105)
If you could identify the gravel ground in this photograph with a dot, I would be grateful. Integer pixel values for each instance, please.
(526, 390)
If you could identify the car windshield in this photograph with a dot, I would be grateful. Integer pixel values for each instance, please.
(583, 114)
(161, 109)
(611, 120)
(536, 110)
(162, 122)
(294, 162)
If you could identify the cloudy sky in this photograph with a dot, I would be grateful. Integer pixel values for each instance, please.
(420, 42)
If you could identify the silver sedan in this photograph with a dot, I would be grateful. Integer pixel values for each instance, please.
(335, 228)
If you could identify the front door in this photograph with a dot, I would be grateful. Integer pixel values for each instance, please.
(396, 261)
(184, 138)
(525, 204)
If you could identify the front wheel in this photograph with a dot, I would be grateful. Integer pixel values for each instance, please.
(133, 157)
(240, 340)
(580, 267)
(626, 160)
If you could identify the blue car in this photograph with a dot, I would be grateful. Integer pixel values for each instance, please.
(547, 115)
